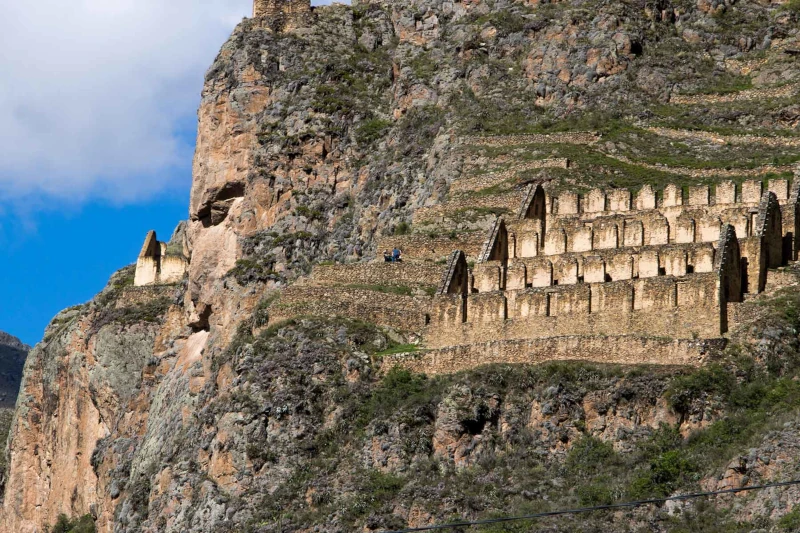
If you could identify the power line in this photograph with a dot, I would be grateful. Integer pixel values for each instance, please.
(638, 503)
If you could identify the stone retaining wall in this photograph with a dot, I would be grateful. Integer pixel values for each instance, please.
(484, 181)
(423, 247)
(553, 138)
(784, 91)
(613, 350)
(706, 136)
(408, 274)
(703, 173)
(438, 213)
(132, 296)
(399, 312)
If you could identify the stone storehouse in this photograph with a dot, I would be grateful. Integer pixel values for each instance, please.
(613, 263)
(158, 264)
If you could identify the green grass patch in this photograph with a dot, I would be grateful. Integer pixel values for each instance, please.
(400, 348)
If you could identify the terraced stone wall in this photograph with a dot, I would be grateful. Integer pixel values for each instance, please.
(410, 274)
(668, 306)
(424, 247)
(613, 350)
(396, 311)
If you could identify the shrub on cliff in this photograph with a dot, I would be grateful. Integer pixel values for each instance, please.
(64, 524)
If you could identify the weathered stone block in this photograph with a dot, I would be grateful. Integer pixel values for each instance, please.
(646, 198)
(486, 308)
(673, 196)
(725, 193)
(620, 267)
(594, 270)
(648, 264)
(751, 191)
(656, 230)
(674, 261)
(488, 276)
(516, 276)
(684, 230)
(568, 203)
(658, 293)
(619, 200)
(594, 201)
(527, 244)
(703, 260)
(541, 273)
(565, 271)
(555, 242)
(581, 239)
(780, 188)
(605, 236)
(709, 227)
(634, 233)
(698, 195)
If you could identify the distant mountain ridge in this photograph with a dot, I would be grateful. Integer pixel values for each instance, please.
(10, 341)
(13, 353)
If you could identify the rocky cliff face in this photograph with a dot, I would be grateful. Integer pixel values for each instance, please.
(175, 409)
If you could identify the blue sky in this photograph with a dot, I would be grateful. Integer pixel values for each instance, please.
(97, 128)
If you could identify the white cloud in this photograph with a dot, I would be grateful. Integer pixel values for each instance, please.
(95, 93)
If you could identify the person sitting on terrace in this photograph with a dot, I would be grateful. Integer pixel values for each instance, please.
(397, 255)
(387, 257)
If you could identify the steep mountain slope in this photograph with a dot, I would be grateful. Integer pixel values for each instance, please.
(174, 408)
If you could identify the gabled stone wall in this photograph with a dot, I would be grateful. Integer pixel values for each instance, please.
(156, 266)
(617, 263)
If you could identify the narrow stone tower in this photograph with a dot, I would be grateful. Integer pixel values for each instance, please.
(282, 15)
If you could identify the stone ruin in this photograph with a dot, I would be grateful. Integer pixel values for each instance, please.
(610, 263)
(282, 15)
(159, 263)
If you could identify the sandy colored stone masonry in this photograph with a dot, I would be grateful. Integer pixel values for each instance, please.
(132, 296)
(423, 247)
(453, 206)
(701, 173)
(675, 307)
(610, 350)
(706, 136)
(157, 265)
(485, 181)
(410, 274)
(610, 263)
(784, 91)
(554, 138)
(390, 310)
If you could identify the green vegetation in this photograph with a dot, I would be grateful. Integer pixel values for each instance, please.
(64, 524)
(149, 311)
(371, 130)
(401, 390)
(307, 212)
(400, 348)
(723, 83)
(403, 228)
(505, 21)
(790, 521)
(792, 6)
